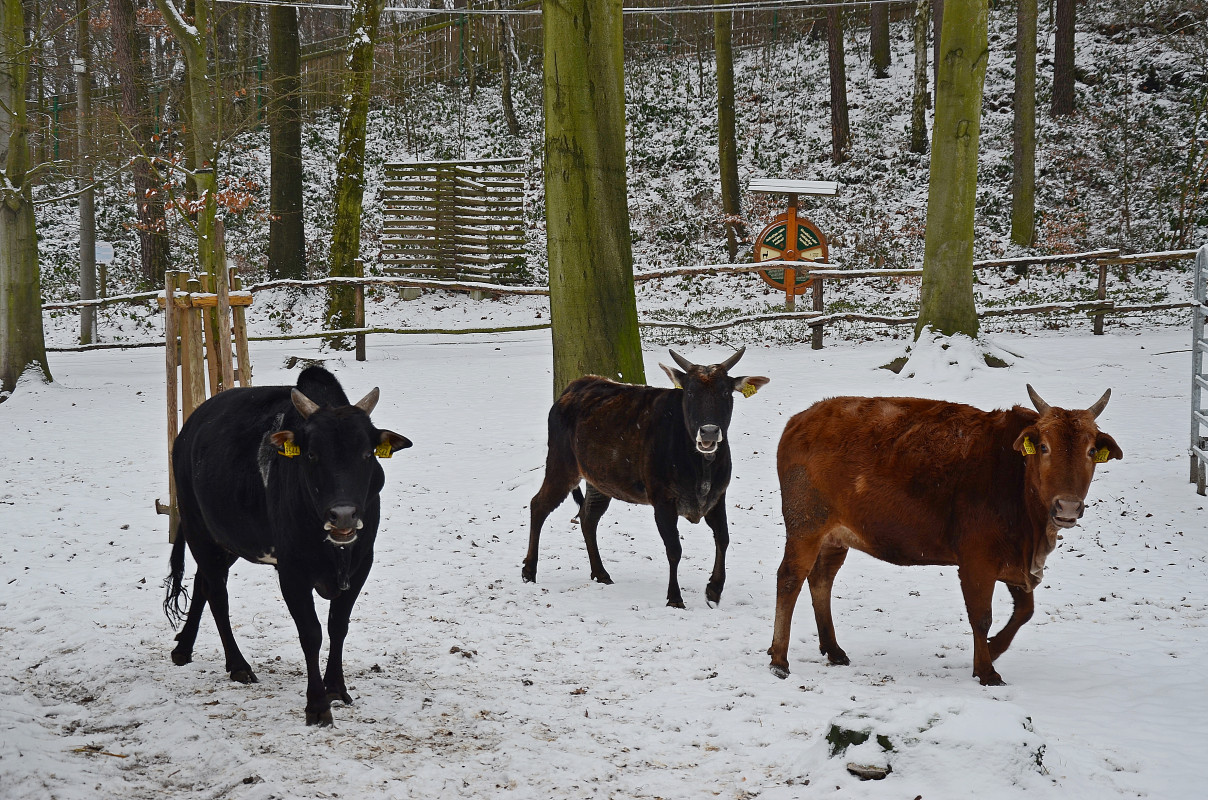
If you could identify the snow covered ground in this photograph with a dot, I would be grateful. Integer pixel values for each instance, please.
(469, 683)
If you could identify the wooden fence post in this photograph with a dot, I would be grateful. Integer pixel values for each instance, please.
(222, 313)
(358, 310)
(244, 373)
(171, 362)
(1101, 294)
(816, 330)
(192, 357)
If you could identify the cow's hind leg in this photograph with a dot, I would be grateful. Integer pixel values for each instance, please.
(561, 475)
(716, 520)
(667, 519)
(821, 580)
(595, 503)
(978, 589)
(805, 516)
(183, 652)
(210, 586)
(1025, 603)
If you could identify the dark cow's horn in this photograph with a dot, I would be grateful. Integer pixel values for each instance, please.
(1040, 404)
(1100, 404)
(732, 360)
(369, 401)
(683, 362)
(304, 404)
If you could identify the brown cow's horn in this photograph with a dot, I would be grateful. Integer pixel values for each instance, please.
(1040, 404)
(684, 363)
(1100, 404)
(304, 404)
(732, 360)
(369, 401)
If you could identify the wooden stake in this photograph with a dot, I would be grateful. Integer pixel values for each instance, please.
(222, 313)
(171, 355)
(358, 312)
(192, 357)
(210, 335)
(240, 324)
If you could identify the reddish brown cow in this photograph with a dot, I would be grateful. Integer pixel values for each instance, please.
(913, 481)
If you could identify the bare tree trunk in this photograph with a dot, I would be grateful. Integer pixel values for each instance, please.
(727, 139)
(22, 340)
(946, 302)
(878, 39)
(506, 53)
(918, 99)
(154, 245)
(593, 310)
(1023, 174)
(83, 76)
(350, 166)
(937, 22)
(840, 131)
(286, 228)
(1063, 60)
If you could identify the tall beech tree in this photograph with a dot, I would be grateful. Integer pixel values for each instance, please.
(286, 231)
(593, 310)
(878, 39)
(350, 165)
(946, 303)
(840, 130)
(1023, 162)
(918, 97)
(1063, 60)
(22, 339)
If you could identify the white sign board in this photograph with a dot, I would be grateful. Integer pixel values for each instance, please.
(104, 252)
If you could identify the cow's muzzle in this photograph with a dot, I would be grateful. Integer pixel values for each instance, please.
(342, 525)
(1066, 512)
(708, 437)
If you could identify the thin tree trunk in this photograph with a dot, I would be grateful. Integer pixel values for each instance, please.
(946, 302)
(203, 106)
(506, 54)
(918, 99)
(593, 310)
(286, 228)
(83, 76)
(727, 140)
(840, 132)
(1023, 175)
(1063, 60)
(878, 39)
(350, 166)
(128, 51)
(937, 22)
(22, 340)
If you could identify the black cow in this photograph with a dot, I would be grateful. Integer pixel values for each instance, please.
(285, 476)
(661, 447)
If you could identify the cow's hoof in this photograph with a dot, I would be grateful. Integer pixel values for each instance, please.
(321, 718)
(603, 578)
(528, 575)
(992, 679)
(182, 657)
(675, 603)
(778, 671)
(244, 676)
(713, 597)
(340, 695)
(838, 658)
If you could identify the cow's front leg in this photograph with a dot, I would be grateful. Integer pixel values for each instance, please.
(301, 603)
(716, 520)
(337, 629)
(978, 589)
(1025, 604)
(667, 520)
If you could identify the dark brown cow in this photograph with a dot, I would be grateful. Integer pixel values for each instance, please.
(913, 481)
(667, 448)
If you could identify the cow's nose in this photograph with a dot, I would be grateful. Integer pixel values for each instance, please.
(709, 433)
(1067, 511)
(343, 517)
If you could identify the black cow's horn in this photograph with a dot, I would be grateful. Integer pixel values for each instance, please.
(732, 360)
(1040, 404)
(1100, 404)
(683, 362)
(369, 401)
(304, 404)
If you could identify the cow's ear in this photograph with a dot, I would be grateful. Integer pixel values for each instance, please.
(677, 377)
(390, 441)
(749, 384)
(1025, 443)
(281, 437)
(1105, 442)
(285, 441)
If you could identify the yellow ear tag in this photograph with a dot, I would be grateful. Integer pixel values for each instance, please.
(383, 450)
(1102, 455)
(289, 450)
(1029, 449)
(749, 389)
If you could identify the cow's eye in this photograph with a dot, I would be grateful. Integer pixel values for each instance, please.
(1092, 452)
(1044, 448)
(312, 457)
(368, 455)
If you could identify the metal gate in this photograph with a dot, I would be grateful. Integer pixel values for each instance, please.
(1199, 381)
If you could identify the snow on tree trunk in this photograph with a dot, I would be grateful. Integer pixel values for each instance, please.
(593, 310)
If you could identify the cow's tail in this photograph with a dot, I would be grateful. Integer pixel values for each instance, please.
(578, 498)
(176, 600)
